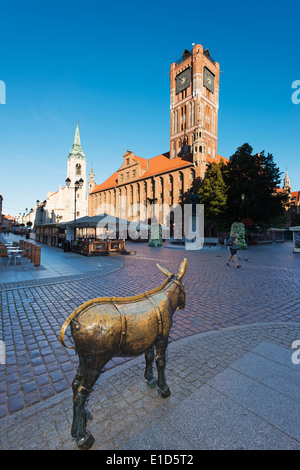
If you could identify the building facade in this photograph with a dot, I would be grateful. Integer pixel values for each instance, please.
(194, 104)
(293, 207)
(67, 203)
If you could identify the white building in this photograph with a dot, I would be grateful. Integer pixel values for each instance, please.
(70, 202)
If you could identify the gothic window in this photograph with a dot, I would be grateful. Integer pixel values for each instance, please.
(193, 113)
(173, 119)
(192, 175)
(78, 169)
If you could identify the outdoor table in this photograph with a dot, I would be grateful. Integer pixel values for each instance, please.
(15, 251)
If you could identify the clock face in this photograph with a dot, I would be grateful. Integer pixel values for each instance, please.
(209, 80)
(183, 80)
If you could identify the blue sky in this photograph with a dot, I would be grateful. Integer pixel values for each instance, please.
(106, 64)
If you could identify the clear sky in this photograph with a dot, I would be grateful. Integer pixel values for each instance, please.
(106, 64)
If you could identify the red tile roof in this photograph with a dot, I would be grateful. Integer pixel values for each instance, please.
(154, 166)
(296, 195)
(56, 192)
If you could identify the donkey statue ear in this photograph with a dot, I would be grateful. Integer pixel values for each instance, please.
(182, 269)
(164, 270)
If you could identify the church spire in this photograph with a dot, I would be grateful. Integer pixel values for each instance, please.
(77, 136)
(76, 151)
(286, 182)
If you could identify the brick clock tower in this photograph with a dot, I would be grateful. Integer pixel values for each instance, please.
(194, 104)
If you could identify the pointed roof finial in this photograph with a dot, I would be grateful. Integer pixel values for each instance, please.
(76, 149)
(77, 136)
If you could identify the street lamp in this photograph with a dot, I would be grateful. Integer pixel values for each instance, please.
(77, 185)
(152, 200)
(244, 199)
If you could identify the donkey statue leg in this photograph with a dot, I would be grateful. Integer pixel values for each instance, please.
(75, 384)
(149, 356)
(161, 348)
(82, 390)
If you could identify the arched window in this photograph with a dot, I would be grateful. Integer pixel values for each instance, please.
(78, 169)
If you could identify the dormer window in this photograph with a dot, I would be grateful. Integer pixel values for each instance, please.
(127, 161)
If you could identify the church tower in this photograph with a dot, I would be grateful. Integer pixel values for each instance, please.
(286, 183)
(91, 182)
(194, 105)
(76, 171)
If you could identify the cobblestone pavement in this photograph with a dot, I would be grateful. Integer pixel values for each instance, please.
(124, 408)
(38, 367)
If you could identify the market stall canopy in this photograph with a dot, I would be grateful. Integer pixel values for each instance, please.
(52, 224)
(101, 220)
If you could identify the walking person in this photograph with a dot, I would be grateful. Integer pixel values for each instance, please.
(232, 243)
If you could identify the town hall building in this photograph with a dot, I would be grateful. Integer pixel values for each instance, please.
(194, 105)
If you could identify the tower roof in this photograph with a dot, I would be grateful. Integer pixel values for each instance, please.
(76, 150)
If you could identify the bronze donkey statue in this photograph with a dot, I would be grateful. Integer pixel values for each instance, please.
(121, 326)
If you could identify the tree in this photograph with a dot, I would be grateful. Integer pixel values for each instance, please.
(213, 194)
(251, 182)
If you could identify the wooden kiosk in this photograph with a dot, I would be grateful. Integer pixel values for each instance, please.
(96, 236)
(296, 238)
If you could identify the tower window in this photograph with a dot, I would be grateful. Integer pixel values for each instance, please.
(78, 169)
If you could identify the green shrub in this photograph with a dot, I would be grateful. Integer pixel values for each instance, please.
(239, 229)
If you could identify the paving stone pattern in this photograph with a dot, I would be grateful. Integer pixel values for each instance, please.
(265, 289)
(129, 415)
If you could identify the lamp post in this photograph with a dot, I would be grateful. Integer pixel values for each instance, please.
(152, 200)
(245, 200)
(77, 185)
